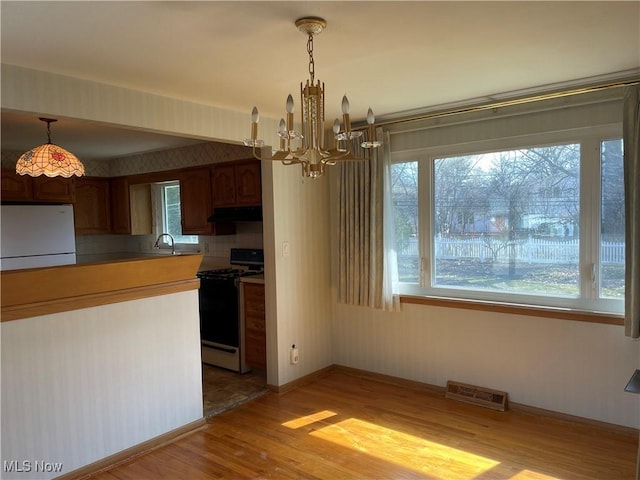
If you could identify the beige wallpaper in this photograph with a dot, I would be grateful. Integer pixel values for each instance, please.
(194, 155)
(200, 154)
(96, 376)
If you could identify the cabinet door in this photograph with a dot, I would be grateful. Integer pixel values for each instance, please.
(92, 212)
(16, 188)
(140, 209)
(120, 206)
(195, 201)
(224, 186)
(254, 321)
(53, 189)
(249, 184)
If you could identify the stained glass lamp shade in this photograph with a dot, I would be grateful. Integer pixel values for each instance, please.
(49, 159)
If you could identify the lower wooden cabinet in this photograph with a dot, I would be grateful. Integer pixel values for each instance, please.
(254, 325)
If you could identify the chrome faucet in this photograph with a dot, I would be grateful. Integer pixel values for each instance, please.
(173, 243)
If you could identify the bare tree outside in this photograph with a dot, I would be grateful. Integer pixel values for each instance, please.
(612, 224)
(510, 221)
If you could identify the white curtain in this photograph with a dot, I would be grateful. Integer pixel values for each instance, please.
(390, 286)
(367, 270)
(631, 145)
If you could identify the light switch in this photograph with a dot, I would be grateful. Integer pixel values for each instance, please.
(285, 249)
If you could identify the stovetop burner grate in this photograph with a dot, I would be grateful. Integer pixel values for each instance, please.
(226, 273)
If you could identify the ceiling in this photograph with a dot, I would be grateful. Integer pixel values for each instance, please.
(395, 57)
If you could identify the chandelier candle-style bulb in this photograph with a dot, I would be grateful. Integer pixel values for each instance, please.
(370, 118)
(289, 107)
(336, 131)
(371, 132)
(255, 118)
(254, 141)
(345, 114)
(282, 133)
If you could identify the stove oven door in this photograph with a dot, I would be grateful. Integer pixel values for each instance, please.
(219, 319)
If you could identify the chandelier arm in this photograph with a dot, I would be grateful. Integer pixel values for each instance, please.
(350, 159)
(285, 161)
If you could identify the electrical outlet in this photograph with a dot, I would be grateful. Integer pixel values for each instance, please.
(294, 355)
(285, 249)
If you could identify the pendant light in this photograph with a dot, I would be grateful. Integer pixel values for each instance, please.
(49, 159)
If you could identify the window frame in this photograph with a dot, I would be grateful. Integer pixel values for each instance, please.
(587, 300)
(159, 211)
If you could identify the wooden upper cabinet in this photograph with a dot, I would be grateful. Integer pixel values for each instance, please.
(237, 184)
(43, 189)
(195, 201)
(92, 210)
(120, 205)
(249, 183)
(53, 189)
(16, 188)
(224, 185)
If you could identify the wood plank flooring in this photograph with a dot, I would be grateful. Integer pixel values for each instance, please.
(346, 427)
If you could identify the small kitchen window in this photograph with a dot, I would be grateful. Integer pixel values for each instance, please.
(168, 215)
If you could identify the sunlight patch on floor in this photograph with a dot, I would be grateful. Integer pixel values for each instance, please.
(308, 419)
(413, 452)
(436, 460)
(529, 475)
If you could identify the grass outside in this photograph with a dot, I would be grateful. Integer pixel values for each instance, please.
(542, 279)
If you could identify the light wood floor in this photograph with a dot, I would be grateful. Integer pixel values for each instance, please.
(346, 427)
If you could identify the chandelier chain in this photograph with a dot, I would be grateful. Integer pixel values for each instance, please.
(311, 62)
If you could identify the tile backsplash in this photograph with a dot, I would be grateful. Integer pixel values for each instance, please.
(216, 249)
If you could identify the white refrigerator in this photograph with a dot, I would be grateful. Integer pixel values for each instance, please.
(36, 236)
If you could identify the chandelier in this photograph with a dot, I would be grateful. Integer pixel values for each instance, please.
(306, 147)
(49, 159)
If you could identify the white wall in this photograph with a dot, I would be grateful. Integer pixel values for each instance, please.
(577, 368)
(82, 385)
(45, 93)
(298, 286)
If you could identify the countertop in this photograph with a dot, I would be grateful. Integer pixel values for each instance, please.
(39, 291)
(253, 279)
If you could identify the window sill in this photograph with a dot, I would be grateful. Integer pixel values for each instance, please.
(514, 309)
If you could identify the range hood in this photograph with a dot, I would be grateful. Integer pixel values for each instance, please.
(236, 214)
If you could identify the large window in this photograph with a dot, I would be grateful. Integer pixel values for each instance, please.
(541, 224)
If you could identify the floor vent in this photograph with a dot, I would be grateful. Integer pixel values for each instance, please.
(484, 397)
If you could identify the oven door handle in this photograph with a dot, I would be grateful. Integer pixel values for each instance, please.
(222, 349)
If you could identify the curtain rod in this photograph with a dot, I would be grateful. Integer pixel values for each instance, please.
(504, 103)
